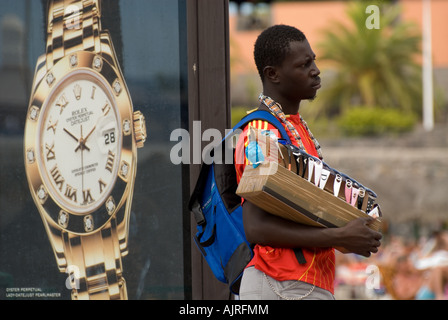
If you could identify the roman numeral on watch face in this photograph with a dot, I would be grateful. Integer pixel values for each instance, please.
(57, 177)
(102, 184)
(87, 196)
(70, 193)
(50, 152)
(52, 125)
(77, 91)
(106, 109)
(110, 161)
(92, 96)
(62, 103)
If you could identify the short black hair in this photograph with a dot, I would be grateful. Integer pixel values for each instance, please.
(272, 45)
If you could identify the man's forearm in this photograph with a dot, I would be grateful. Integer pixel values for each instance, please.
(267, 229)
(264, 228)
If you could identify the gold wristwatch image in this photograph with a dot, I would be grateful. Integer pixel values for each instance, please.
(80, 150)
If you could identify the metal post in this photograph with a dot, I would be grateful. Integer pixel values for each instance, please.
(428, 92)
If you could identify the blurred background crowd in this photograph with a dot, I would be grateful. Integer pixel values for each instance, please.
(402, 270)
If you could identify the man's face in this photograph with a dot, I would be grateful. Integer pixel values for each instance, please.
(298, 73)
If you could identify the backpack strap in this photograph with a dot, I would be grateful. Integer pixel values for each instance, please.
(266, 116)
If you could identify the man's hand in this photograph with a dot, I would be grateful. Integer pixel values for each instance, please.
(357, 237)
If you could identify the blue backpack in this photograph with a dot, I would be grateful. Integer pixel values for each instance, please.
(218, 212)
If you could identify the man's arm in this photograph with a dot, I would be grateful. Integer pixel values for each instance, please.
(264, 228)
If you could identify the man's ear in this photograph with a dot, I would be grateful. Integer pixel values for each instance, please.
(271, 74)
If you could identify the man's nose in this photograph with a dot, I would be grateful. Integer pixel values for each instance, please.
(315, 70)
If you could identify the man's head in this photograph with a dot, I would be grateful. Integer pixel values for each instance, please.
(285, 61)
(272, 45)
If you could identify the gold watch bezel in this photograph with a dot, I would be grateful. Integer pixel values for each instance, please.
(49, 208)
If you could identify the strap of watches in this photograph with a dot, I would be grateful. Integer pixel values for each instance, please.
(97, 272)
(73, 25)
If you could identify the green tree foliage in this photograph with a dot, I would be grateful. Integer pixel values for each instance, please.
(372, 67)
(375, 121)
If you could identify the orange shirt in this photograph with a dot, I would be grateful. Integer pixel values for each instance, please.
(281, 263)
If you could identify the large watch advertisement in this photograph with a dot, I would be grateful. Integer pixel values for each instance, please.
(90, 204)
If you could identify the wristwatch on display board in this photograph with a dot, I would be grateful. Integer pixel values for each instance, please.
(80, 150)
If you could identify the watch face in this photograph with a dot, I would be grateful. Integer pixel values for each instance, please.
(80, 141)
(79, 146)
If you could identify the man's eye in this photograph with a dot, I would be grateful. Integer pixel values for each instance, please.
(308, 63)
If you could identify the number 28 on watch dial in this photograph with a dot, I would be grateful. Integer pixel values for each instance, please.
(83, 148)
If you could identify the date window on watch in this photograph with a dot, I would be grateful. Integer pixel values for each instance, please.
(109, 137)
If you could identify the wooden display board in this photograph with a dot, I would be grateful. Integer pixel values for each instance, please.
(281, 192)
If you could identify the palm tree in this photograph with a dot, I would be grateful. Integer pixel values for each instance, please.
(372, 67)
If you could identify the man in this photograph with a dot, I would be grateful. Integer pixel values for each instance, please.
(291, 260)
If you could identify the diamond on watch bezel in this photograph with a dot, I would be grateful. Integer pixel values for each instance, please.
(50, 78)
(88, 223)
(34, 113)
(110, 205)
(73, 60)
(30, 155)
(117, 87)
(127, 127)
(63, 219)
(124, 169)
(97, 63)
(42, 194)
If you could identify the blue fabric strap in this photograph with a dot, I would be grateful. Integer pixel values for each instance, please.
(266, 116)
